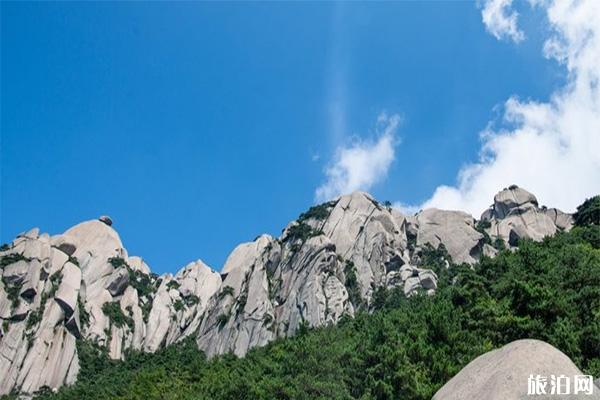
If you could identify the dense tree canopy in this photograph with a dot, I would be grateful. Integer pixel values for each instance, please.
(404, 348)
(589, 212)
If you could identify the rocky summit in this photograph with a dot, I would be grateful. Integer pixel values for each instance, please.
(83, 284)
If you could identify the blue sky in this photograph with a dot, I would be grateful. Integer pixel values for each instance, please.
(197, 126)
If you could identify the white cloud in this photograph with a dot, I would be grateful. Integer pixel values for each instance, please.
(405, 209)
(500, 20)
(550, 148)
(363, 163)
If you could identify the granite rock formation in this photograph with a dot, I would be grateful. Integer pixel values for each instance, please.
(503, 374)
(82, 284)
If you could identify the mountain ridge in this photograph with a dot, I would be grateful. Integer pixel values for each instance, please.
(325, 265)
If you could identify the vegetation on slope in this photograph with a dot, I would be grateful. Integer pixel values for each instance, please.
(407, 348)
(588, 213)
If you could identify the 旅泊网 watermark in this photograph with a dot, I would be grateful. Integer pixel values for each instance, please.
(559, 384)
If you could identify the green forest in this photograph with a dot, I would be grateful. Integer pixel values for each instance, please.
(401, 348)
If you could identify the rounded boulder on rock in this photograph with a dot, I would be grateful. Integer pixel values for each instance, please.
(64, 244)
(510, 198)
(106, 219)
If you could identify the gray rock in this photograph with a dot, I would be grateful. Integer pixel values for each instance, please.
(49, 361)
(394, 279)
(411, 285)
(16, 272)
(428, 279)
(336, 297)
(138, 264)
(67, 248)
(406, 271)
(562, 220)
(106, 219)
(32, 280)
(68, 291)
(33, 233)
(118, 281)
(159, 320)
(367, 234)
(515, 215)
(5, 303)
(454, 229)
(511, 198)
(240, 315)
(37, 249)
(73, 324)
(56, 262)
(503, 374)
(20, 312)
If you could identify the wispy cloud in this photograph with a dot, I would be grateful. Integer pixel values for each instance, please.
(500, 20)
(550, 148)
(363, 163)
(405, 209)
(337, 93)
(358, 163)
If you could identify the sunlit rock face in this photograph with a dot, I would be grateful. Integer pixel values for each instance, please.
(454, 229)
(37, 307)
(83, 284)
(516, 215)
(325, 265)
(504, 374)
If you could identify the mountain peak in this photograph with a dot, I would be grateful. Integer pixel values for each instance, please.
(325, 265)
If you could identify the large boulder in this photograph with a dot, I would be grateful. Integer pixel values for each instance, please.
(64, 244)
(118, 282)
(562, 220)
(94, 236)
(504, 374)
(106, 219)
(516, 215)
(454, 229)
(513, 197)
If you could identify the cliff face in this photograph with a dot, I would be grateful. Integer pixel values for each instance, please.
(326, 264)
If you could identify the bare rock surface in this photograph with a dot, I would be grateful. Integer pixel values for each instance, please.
(516, 215)
(503, 374)
(368, 234)
(454, 229)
